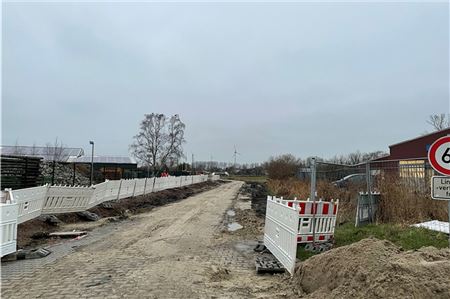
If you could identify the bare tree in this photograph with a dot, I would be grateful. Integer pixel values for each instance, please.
(34, 150)
(373, 155)
(159, 141)
(18, 151)
(438, 121)
(55, 152)
(355, 158)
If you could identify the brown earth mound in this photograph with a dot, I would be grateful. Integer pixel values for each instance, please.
(373, 268)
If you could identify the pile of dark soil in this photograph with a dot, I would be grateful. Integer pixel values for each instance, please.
(258, 194)
(35, 232)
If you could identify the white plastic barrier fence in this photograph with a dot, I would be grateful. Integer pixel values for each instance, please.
(280, 232)
(21, 205)
(30, 201)
(112, 190)
(149, 185)
(65, 199)
(139, 188)
(126, 188)
(8, 227)
(98, 195)
(279, 217)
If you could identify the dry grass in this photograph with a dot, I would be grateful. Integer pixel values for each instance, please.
(292, 188)
(398, 203)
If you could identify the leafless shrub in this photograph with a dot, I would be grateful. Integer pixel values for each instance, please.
(282, 167)
(55, 152)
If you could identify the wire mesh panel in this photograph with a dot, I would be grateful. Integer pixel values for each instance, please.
(413, 174)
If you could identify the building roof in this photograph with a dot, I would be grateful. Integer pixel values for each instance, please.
(103, 160)
(444, 131)
(48, 153)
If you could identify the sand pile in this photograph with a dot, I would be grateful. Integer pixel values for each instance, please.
(373, 268)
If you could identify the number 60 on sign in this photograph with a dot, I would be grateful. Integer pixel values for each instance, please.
(439, 155)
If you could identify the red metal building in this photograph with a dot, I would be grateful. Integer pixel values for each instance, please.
(414, 148)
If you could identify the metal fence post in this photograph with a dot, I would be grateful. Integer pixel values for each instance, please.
(53, 172)
(448, 223)
(357, 210)
(145, 185)
(313, 197)
(369, 190)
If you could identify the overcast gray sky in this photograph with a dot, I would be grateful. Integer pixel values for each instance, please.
(307, 79)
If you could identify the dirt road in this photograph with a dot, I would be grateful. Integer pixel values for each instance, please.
(175, 251)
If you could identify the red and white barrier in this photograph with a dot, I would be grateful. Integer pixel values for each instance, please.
(324, 215)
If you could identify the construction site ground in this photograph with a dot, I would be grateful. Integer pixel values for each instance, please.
(179, 250)
(198, 242)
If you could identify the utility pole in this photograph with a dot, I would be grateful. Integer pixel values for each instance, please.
(313, 198)
(92, 164)
(235, 154)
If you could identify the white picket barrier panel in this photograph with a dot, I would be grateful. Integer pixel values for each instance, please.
(175, 182)
(157, 185)
(139, 187)
(215, 177)
(30, 201)
(65, 199)
(149, 186)
(112, 190)
(98, 195)
(8, 227)
(127, 188)
(280, 232)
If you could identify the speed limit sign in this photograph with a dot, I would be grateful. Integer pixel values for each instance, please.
(439, 155)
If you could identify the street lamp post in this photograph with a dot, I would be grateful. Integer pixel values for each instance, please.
(92, 163)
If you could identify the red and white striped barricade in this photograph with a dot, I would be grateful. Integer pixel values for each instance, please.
(324, 214)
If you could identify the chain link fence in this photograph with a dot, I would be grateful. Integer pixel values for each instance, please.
(387, 190)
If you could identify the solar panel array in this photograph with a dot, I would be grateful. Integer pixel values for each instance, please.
(103, 160)
(47, 153)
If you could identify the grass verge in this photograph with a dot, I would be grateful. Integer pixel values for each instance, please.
(248, 179)
(409, 238)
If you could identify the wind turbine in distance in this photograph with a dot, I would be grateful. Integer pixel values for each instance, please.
(235, 154)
